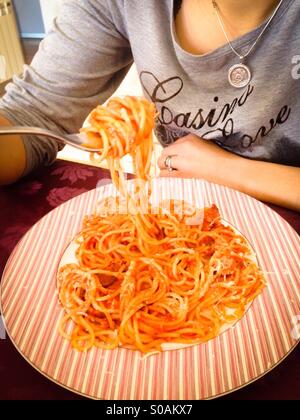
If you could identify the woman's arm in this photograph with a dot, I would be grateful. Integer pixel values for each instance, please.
(270, 182)
(12, 157)
(79, 65)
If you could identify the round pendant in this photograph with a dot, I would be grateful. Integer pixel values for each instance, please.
(239, 75)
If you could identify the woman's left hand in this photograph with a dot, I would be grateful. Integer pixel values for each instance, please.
(193, 157)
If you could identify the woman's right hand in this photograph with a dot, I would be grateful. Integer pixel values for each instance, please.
(12, 156)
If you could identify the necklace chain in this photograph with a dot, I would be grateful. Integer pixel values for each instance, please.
(241, 57)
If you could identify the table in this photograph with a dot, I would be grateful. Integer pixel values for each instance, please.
(22, 205)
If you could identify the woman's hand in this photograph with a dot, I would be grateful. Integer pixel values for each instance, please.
(193, 157)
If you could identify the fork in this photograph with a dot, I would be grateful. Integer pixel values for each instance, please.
(75, 140)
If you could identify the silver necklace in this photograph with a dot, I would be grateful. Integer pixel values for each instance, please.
(239, 75)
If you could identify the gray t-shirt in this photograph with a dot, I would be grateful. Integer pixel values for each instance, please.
(83, 60)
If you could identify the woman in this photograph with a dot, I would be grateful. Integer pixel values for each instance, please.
(223, 75)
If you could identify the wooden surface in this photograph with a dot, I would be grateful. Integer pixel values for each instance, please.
(2, 87)
(10, 44)
(29, 47)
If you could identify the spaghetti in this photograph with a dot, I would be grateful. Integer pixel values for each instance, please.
(124, 126)
(145, 279)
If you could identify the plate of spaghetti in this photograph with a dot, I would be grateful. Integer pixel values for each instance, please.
(197, 281)
(152, 288)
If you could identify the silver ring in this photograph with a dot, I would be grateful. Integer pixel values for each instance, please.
(168, 163)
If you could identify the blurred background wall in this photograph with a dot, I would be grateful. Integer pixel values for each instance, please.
(29, 17)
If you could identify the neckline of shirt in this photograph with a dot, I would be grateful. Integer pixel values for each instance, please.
(225, 50)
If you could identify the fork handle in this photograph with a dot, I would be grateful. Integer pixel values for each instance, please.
(30, 130)
(36, 131)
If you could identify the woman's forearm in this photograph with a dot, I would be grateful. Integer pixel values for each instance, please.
(196, 158)
(12, 157)
(269, 182)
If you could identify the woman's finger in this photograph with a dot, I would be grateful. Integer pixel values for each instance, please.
(173, 174)
(172, 150)
(175, 162)
(184, 139)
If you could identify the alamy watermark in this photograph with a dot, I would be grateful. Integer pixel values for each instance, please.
(296, 327)
(152, 198)
(2, 329)
(296, 67)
